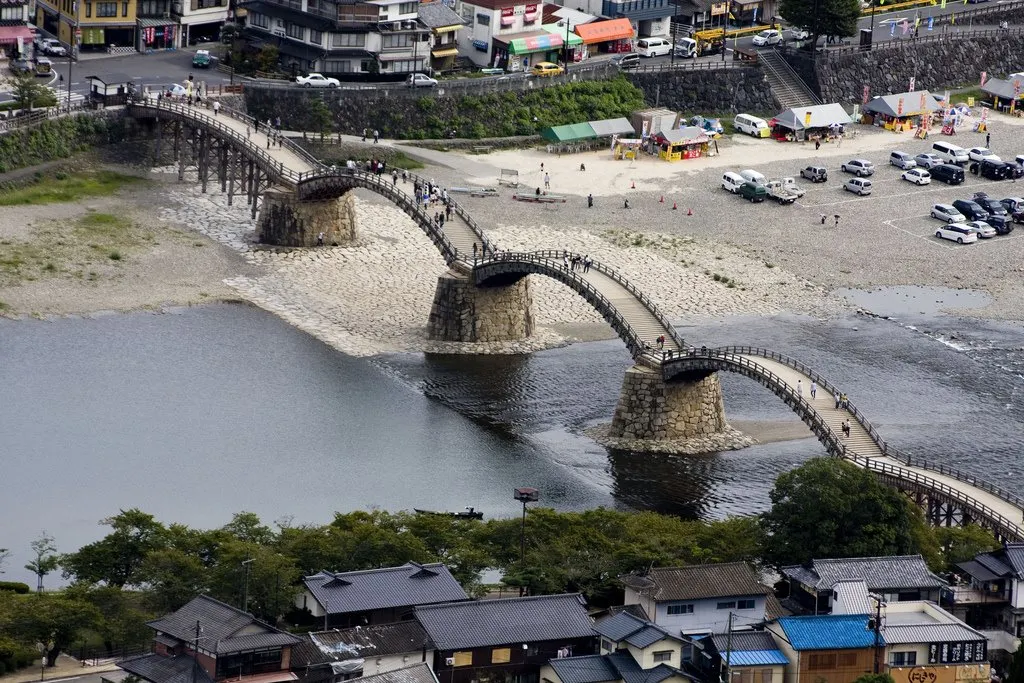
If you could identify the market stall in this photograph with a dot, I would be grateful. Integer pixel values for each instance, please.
(688, 142)
(809, 123)
(574, 136)
(626, 148)
(901, 112)
(1005, 94)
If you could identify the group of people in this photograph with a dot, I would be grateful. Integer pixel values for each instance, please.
(376, 135)
(577, 262)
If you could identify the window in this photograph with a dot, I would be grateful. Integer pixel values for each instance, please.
(606, 645)
(847, 659)
(260, 20)
(124, 9)
(248, 663)
(744, 675)
(663, 656)
(821, 662)
(766, 676)
(680, 609)
(501, 655)
(348, 40)
(152, 8)
(338, 66)
(462, 659)
(397, 40)
(744, 604)
(483, 19)
(402, 66)
(731, 604)
(295, 31)
(408, 8)
(316, 37)
(88, 10)
(903, 659)
(106, 9)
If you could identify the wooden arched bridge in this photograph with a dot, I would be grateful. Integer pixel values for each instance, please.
(671, 392)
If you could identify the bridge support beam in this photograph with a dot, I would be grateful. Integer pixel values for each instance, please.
(288, 221)
(462, 312)
(651, 409)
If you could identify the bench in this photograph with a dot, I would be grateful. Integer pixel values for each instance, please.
(482, 149)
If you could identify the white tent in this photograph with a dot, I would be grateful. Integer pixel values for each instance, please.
(821, 116)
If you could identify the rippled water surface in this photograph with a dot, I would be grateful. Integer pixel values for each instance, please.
(200, 413)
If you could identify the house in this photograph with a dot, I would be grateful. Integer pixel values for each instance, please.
(646, 642)
(361, 651)
(924, 642)
(991, 592)
(511, 639)
(207, 641)
(618, 667)
(506, 34)
(109, 89)
(902, 577)
(751, 656)
(444, 25)
(828, 648)
(650, 18)
(699, 599)
(417, 673)
(377, 596)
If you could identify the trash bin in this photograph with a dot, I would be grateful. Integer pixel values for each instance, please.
(865, 39)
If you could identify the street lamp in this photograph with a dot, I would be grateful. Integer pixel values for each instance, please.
(524, 495)
(245, 590)
(565, 57)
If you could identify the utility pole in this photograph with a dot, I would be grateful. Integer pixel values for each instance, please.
(879, 604)
(195, 652)
(728, 651)
(245, 590)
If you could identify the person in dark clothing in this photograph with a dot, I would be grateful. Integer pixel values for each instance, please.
(590, 201)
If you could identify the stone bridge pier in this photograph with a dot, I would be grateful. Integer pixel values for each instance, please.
(501, 310)
(690, 406)
(287, 221)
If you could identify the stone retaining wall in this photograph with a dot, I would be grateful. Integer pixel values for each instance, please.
(462, 312)
(650, 408)
(288, 221)
(731, 90)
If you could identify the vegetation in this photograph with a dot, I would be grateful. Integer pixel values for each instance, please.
(822, 17)
(56, 139)
(45, 561)
(28, 92)
(66, 188)
(1015, 673)
(14, 587)
(875, 678)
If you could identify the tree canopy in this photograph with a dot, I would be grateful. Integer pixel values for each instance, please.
(822, 17)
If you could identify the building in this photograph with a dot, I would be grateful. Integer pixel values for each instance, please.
(647, 17)
(377, 596)
(444, 25)
(991, 595)
(751, 657)
(91, 24)
(511, 34)
(417, 673)
(501, 641)
(904, 577)
(207, 641)
(646, 642)
(618, 667)
(361, 651)
(924, 642)
(14, 13)
(828, 648)
(700, 598)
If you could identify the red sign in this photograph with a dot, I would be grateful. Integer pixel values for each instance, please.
(984, 77)
(530, 9)
(508, 11)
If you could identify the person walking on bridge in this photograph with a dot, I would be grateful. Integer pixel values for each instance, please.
(814, 390)
(846, 428)
(586, 263)
(836, 396)
(844, 402)
(800, 387)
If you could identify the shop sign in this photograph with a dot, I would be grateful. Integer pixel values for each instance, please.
(719, 8)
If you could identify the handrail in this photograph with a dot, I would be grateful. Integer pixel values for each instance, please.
(910, 41)
(772, 60)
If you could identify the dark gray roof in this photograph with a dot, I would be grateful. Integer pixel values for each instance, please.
(637, 632)
(417, 673)
(485, 623)
(406, 586)
(1001, 87)
(1015, 556)
(361, 641)
(220, 623)
(745, 641)
(635, 610)
(437, 14)
(618, 666)
(112, 78)
(889, 105)
(697, 581)
(160, 669)
(901, 571)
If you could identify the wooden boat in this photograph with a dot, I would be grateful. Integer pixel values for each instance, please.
(475, 191)
(540, 198)
(469, 513)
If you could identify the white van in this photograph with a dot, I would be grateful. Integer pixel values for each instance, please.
(753, 177)
(732, 181)
(653, 47)
(950, 153)
(751, 125)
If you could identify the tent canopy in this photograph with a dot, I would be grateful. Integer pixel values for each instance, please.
(588, 131)
(601, 31)
(10, 34)
(822, 116)
(559, 31)
(1003, 88)
(687, 135)
(535, 41)
(915, 103)
(608, 127)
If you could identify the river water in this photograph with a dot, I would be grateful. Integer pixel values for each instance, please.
(198, 413)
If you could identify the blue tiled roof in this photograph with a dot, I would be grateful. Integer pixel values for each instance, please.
(757, 658)
(828, 632)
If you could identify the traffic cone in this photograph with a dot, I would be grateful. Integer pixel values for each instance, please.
(632, 185)
(662, 200)
(689, 212)
(674, 207)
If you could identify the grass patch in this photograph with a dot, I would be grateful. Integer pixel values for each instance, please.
(66, 188)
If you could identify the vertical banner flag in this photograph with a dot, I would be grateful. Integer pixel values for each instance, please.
(807, 119)
(867, 95)
(922, 104)
(892, 29)
(913, 82)
(931, 23)
(984, 77)
(899, 107)
(754, 23)
(943, 5)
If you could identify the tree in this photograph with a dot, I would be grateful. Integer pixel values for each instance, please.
(256, 578)
(4, 554)
(831, 508)
(1015, 673)
(116, 558)
(173, 577)
(122, 621)
(266, 58)
(46, 559)
(959, 544)
(28, 92)
(320, 117)
(50, 620)
(822, 17)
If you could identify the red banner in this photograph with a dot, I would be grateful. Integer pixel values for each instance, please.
(508, 11)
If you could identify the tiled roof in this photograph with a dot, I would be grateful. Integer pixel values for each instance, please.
(362, 641)
(902, 571)
(406, 586)
(635, 610)
(758, 658)
(437, 14)
(618, 666)
(828, 632)
(1015, 556)
(743, 641)
(484, 623)
(160, 669)
(637, 632)
(698, 581)
(219, 622)
(631, 672)
(417, 673)
(851, 597)
(773, 609)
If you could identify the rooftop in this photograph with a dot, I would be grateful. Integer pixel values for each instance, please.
(406, 586)
(437, 14)
(924, 622)
(160, 669)
(901, 571)
(222, 627)
(361, 641)
(624, 627)
(618, 666)
(698, 581)
(828, 632)
(417, 673)
(755, 648)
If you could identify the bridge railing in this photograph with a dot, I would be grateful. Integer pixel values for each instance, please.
(461, 212)
(297, 150)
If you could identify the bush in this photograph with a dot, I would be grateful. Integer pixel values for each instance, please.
(15, 586)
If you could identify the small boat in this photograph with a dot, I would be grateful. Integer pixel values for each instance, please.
(469, 513)
(539, 198)
(475, 191)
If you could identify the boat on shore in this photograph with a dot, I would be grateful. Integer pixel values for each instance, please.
(468, 513)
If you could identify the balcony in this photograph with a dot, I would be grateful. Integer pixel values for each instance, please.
(969, 595)
(637, 10)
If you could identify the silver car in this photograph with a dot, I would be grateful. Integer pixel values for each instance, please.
(981, 228)
(928, 160)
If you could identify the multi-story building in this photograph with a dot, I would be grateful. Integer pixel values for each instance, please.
(992, 597)
(14, 12)
(444, 25)
(506, 34)
(90, 24)
(648, 18)
(924, 642)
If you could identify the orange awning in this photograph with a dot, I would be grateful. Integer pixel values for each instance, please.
(602, 31)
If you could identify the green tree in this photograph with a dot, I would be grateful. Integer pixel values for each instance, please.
(320, 117)
(959, 544)
(1015, 672)
(248, 528)
(267, 58)
(28, 92)
(45, 561)
(369, 540)
(831, 508)
(116, 558)
(122, 619)
(822, 17)
(172, 577)
(50, 620)
(256, 578)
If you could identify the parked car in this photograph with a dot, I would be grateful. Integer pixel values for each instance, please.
(859, 186)
(1013, 204)
(778, 192)
(547, 69)
(21, 66)
(858, 167)
(902, 160)
(201, 59)
(752, 176)
(816, 174)
(918, 176)
(52, 46)
(993, 206)
(420, 81)
(317, 81)
(653, 47)
(993, 169)
(947, 213)
(753, 192)
(791, 185)
(927, 160)
(43, 66)
(950, 153)
(799, 34)
(970, 209)
(751, 125)
(732, 181)
(1002, 224)
(686, 48)
(951, 174)
(768, 37)
(981, 229)
(628, 60)
(979, 153)
(958, 232)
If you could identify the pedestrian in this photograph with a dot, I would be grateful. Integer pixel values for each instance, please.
(542, 167)
(277, 123)
(256, 125)
(394, 178)
(565, 261)
(474, 251)
(661, 341)
(839, 141)
(817, 144)
(837, 220)
(800, 387)
(216, 107)
(248, 132)
(440, 219)
(625, 204)
(376, 136)
(814, 390)
(823, 217)
(270, 125)
(320, 240)
(547, 181)
(268, 141)
(846, 428)
(364, 135)
(583, 167)
(844, 402)
(405, 176)
(590, 201)
(586, 263)
(836, 397)
(537, 193)
(988, 139)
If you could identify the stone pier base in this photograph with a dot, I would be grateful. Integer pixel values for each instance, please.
(464, 313)
(287, 221)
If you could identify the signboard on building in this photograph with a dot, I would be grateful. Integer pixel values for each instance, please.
(956, 653)
(719, 8)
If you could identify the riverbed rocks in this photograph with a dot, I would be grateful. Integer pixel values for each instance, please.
(728, 439)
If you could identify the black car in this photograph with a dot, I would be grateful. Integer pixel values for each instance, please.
(990, 168)
(971, 209)
(951, 174)
(993, 206)
(1002, 224)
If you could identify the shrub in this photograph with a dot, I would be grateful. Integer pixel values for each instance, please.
(15, 586)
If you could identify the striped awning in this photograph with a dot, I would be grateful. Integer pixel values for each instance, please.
(445, 52)
(559, 31)
(537, 43)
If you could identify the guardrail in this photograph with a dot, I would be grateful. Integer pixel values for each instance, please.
(910, 41)
(37, 116)
(688, 65)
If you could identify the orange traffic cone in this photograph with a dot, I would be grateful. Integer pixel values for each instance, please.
(632, 185)
(674, 207)
(662, 200)
(689, 212)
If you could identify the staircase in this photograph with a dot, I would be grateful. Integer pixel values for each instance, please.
(789, 89)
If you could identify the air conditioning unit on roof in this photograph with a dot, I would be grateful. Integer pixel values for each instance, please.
(449, 661)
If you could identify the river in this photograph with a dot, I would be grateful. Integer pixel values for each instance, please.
(197, 413)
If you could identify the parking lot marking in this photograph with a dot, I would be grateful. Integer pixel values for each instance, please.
(920, 190)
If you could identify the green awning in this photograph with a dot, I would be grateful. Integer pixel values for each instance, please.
(535, 43)
(560, 31)
(569, 133)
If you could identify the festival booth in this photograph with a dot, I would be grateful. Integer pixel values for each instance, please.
(809, 123)
(901, 112)
(611, 35)
(626, 148)
(1005, 94)
(577, 135)
(688, 142)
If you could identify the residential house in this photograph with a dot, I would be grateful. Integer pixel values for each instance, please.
(828, 648)
(701, 599)
(377, 596)
(924, 642)
(618, 667)
(902, 577)
(993, 595)
(647, 17)
(444, 25)
(207, 641)
(91, 24)
(361, 651)
(417, 673)
(506, 34)
(751, 657)
(505, 640)
(646, 642)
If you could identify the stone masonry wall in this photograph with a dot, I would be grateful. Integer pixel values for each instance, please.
(289, 222)
(462, 312)
(732, 90)
(651, 409)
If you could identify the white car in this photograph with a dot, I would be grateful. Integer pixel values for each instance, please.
(858, 167)
(958, 232)
(981, 229)
(317, 81)
(799, 34)
(979, 153)
(918, 176)
(790, 185)
(928, 160)
(947, 213)
(420, 81)
(768, 37)
(858, 186)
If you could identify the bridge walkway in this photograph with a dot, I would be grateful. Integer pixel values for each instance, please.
(646, 324)
(240, 123)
